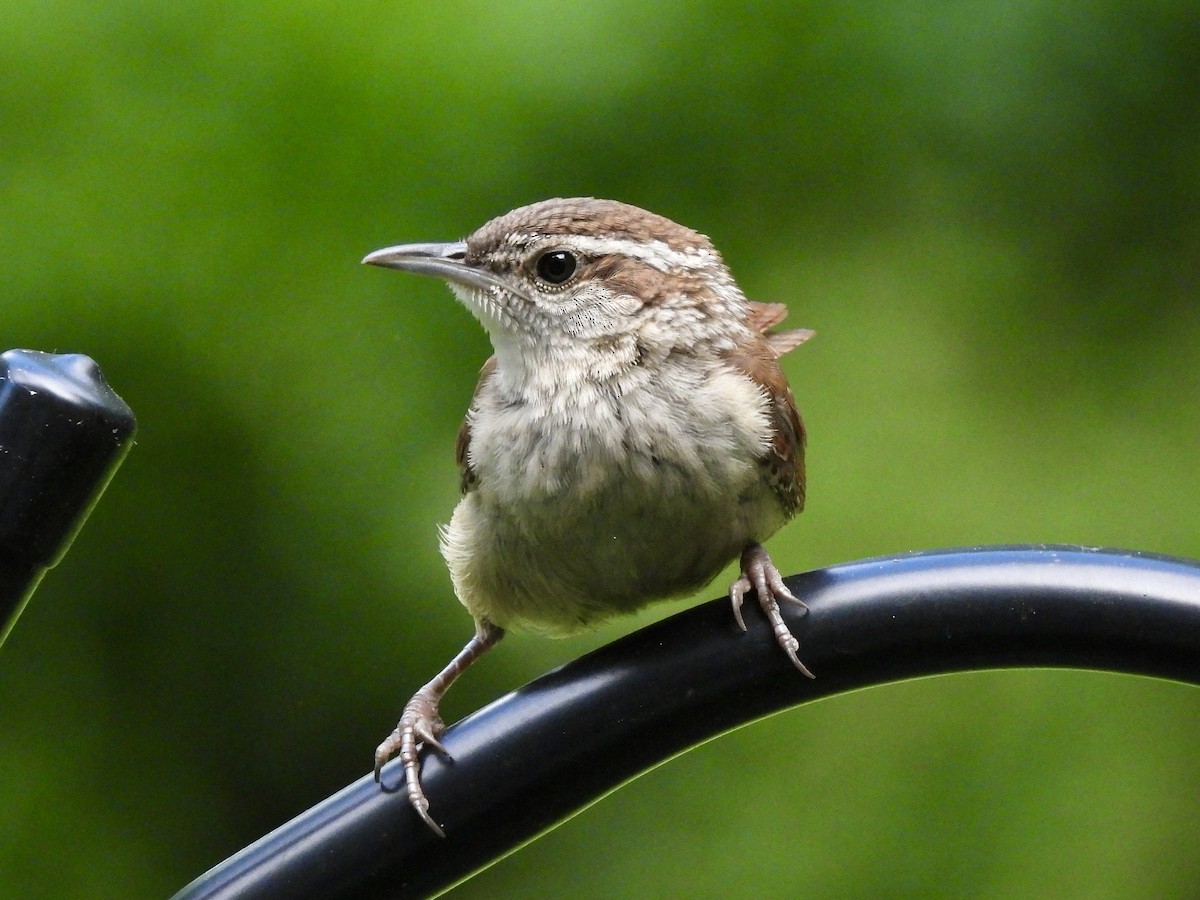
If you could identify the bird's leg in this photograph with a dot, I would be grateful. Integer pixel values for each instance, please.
(760, 574)
(420, 723)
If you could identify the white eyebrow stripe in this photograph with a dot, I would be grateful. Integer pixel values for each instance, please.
(658, 254)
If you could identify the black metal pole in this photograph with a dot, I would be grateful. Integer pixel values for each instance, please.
(63, 432)
(540, 754)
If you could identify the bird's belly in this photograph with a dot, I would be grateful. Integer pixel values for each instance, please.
(561, 562)
(585, 509)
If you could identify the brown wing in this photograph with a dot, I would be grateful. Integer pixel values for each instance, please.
(783, 461)
(467, 477)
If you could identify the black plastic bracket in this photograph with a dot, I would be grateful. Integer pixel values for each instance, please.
(63, 432)
(545, 751)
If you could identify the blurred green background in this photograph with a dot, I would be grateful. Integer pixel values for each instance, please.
(990, 213)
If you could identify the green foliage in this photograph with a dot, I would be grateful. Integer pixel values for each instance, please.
(987, 211)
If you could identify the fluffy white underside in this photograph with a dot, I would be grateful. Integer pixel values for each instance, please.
(595, 500)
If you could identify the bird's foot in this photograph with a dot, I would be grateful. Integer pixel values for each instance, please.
(760, 575)
(420, 723)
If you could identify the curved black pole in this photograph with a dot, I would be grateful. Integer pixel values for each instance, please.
(540, 754)
(63, 432)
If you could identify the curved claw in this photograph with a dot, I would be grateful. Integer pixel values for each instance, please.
(737, 591)
(386, 750)
(422, 808)
(781, 592)
(791, 652)
(427, 732)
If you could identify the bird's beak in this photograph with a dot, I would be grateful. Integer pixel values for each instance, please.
(448, 261)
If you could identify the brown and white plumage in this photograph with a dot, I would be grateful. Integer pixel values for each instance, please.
(632, 434)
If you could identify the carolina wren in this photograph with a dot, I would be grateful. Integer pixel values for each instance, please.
(632, 434)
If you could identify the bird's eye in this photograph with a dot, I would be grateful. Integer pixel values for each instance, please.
(556, 267)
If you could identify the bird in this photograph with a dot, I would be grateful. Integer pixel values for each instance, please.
(631, 435)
